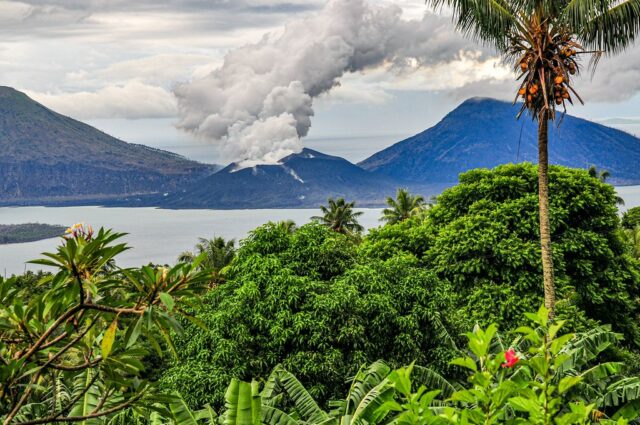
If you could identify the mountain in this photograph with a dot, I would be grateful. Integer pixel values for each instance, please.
(300, 180)
(49, 158)
(485, 133)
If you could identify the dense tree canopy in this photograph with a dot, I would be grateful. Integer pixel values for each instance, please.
(482, 237)
(310, 301)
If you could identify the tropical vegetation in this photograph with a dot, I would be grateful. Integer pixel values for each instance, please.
(631, 218)
(544, 41)
(73, 351)
(308, 324)
(545, 376)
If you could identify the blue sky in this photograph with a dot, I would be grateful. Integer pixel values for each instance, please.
(137, 69)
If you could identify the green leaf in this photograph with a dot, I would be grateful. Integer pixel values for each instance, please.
(274, 416)
(240, 405)
(134, 331)
(108, 339)
(567, 382)
(523, 404)
(466, 362)
(181, 412)
(167, 300)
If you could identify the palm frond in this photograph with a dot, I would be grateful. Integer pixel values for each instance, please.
(611, 28)
(487, 21)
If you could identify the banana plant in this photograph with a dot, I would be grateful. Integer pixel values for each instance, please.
(372, 388)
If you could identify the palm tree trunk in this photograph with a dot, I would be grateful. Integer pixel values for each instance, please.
(545, 226)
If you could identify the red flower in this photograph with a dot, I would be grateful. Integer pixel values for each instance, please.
(510, 358)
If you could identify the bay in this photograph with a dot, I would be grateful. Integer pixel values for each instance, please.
(155, 235)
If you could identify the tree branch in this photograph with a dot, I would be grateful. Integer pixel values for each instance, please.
(50, 330)
(86, 365)
(69, 419)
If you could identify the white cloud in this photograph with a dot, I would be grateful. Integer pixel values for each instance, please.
(162, 69)
(132, 100)
(615, 79)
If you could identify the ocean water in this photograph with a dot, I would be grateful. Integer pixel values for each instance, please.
(159, 236)
(155, 235)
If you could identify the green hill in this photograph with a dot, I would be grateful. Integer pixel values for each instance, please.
(50, 158)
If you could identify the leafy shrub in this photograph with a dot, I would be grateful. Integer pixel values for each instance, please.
(631, 218)
(71, 349)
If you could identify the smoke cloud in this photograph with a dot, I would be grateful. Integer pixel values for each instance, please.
(259, 103)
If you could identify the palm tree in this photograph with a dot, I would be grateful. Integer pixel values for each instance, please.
(289, 226)
(218, 253)
(603, 176)
(403, 207)
(340, 217)
(543, 39)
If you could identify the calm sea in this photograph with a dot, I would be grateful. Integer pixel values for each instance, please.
(159, 236)
(155, 235)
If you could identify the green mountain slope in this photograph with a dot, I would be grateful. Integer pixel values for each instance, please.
(49, 158)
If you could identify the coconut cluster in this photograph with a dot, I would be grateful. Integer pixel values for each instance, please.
(547, 71)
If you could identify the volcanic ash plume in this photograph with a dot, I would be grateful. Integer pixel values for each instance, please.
(259, 103)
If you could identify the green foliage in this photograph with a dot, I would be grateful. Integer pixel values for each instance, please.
(213, 255)
(486, 244)
(413, 236)
(632, 237)
(631, 218)
(549, 378)
(217, 253)
(31, 283)
(71, 351)
(310, 301)
(321, 303)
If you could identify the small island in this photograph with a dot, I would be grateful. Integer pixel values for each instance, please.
(28, 232)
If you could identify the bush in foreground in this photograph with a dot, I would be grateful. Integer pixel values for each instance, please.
(543, 377)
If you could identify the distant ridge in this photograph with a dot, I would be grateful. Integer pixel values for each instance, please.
(48, 158)
(484, 132)
(305, 179)
(51, 159)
